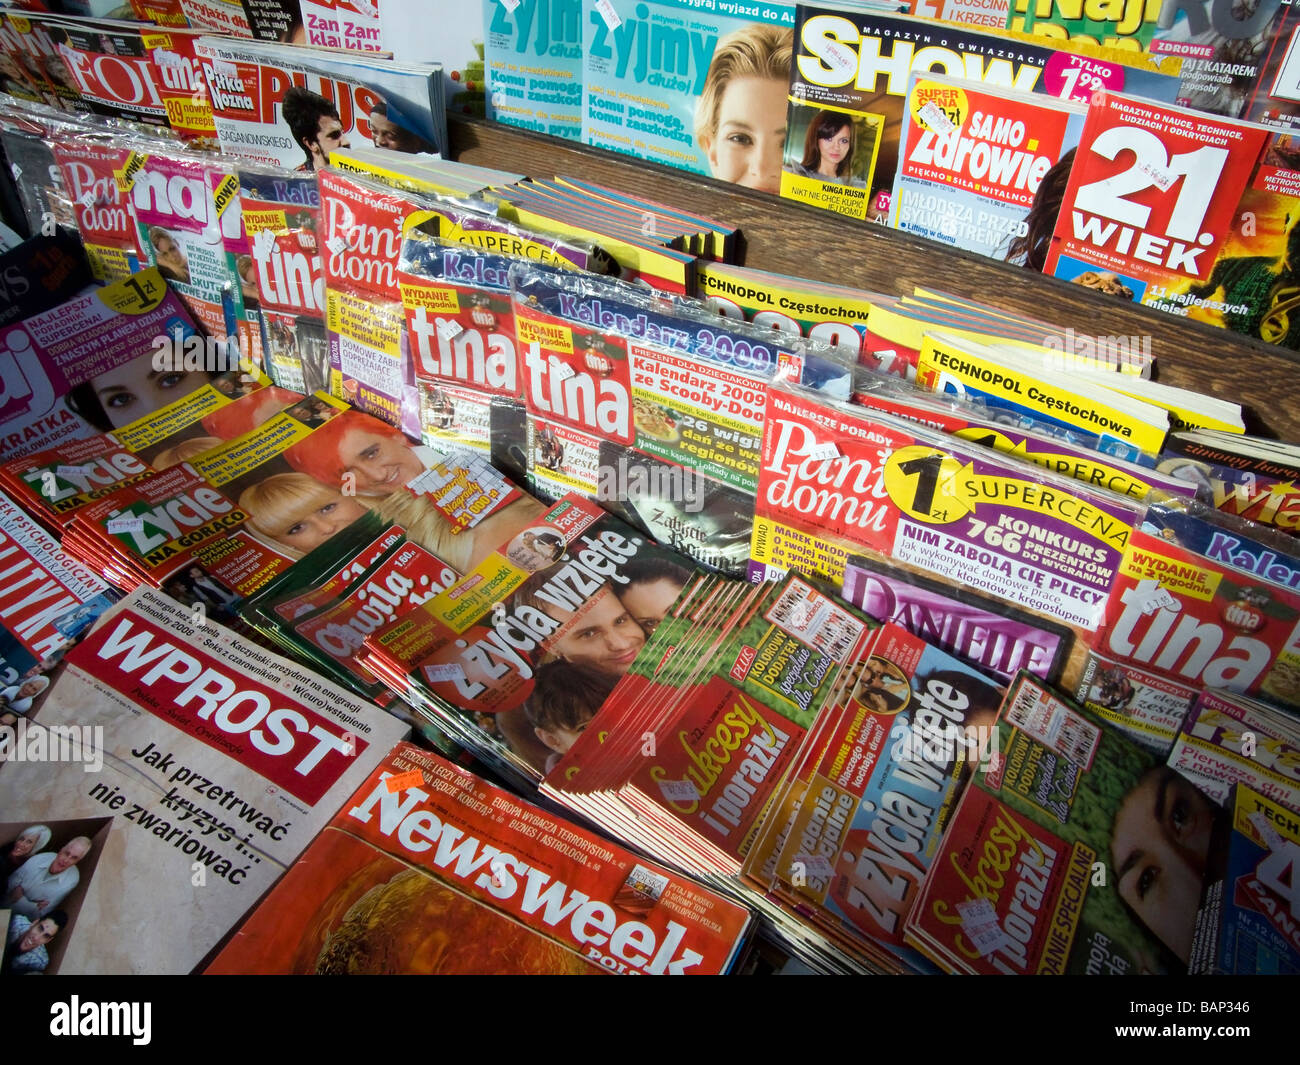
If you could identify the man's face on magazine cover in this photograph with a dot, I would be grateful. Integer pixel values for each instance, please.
(329, 135)
(381, 464)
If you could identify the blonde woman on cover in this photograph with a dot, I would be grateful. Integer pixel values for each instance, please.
(184, 451)
(740, 122)
(297, 512)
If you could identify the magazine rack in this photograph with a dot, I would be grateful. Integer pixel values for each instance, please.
(791, 238)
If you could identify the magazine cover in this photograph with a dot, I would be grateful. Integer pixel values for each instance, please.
(533, 55)
(217, 16)
(1221, 46)
(858, 63)
(460, 326)
(1200, 621)
(1228, 738)
(1153, 237)
(281, 210)
(44, 198)
(908, 737)
(522, 651)
(1147, 707)
(87, 365)
(662, 81)
(42, 272)
(102, 208)
(457, 46)
(1258, 550)
(217, 763)
(1274, 94)
(972, 162)
(291, 107)
(1251, 286)
(1101, 850)
(834, 480)
(110, 69)
(830, 314)
(35, 46)
(190, 224)
(446, 856)
(999, 642)
(1247, 921)
(54, 483)
(47, 601)
(829, 160)
(181, 86)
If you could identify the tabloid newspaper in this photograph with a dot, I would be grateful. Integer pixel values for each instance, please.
(1014, 887)
(473, 880)
(217, 763)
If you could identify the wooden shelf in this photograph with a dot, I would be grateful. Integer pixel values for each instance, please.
(791, 238)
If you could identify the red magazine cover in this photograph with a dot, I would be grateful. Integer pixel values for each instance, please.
(102, 208)
(453, 831)
(1203, 622)
(1152, 197)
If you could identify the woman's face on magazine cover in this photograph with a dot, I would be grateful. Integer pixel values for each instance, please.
(1159, 844)
(318, 520)
(381, 464)
(135, 389)
(605, 640)
(834, 148)
(23, 846)
(649, 601)
(747, 146)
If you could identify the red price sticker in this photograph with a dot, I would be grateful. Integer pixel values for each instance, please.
(402, 781)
